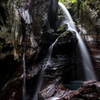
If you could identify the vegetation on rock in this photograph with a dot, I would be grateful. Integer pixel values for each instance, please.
(86, 15)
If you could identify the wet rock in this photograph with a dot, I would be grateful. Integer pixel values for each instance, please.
(33, 70)
(13, 31)
(83, 93)
(9, 43)
(65, 43)
(95, 55)
(61, 59)
(48, 91)
(34, 15)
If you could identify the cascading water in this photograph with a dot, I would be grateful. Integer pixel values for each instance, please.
(24, 13)
(88, 68)
(26, 20)
(39, 83)
(48, 62)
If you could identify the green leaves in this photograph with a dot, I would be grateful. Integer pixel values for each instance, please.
(68, 3)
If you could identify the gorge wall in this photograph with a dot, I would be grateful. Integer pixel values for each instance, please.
(38, 36)
(13, 31)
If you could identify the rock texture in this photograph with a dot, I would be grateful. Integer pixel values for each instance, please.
(9, 45)
(95, 55)
(88, 91)
(14, 32)
(24, 25)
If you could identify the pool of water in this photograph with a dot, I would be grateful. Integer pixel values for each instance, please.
(73, 85)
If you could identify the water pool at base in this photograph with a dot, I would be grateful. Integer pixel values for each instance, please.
(73, 85)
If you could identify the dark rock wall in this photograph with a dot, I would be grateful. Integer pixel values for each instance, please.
(88, 91)
(9, 21)
(37, 36)
(13, 33)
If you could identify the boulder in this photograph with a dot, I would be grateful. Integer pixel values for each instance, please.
(88, 91)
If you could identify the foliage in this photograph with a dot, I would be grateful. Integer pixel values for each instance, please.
(74, 5)
(64, 34)
(70, 4)
(70, 1)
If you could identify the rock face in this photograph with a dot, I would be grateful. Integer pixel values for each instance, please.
(9, 53)
(61, 59)
(25, 26)
(95, 55)
(15, 30)
(88, 91)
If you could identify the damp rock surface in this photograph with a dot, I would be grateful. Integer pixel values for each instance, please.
(13, 30)
(88, 91)
(37, 39)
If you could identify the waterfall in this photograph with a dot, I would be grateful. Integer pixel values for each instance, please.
(41, 74)
(88, 67)
(26, 20)
(39, 83)
(48, 62)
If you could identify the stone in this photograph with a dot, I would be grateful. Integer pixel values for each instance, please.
(84, 92)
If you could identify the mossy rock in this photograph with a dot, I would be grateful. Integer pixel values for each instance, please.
(64, 34)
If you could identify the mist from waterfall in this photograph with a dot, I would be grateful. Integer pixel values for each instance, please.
(88, 67)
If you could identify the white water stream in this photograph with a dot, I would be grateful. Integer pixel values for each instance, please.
(47, 62)
(24, 13)
(88, 67)
(84, 53)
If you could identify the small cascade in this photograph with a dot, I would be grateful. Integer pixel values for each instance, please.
(48, 62)
(26, 20)
(39, 83)
(24, 13)
(88, 68)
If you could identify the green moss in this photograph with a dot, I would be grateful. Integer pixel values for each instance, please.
(61, 27)
(68, 3)
(64, 34)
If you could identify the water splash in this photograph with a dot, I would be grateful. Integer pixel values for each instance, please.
(88, 67)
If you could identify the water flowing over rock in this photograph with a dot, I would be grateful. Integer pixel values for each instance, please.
(35, 60)
(88, 23)
(87, 64)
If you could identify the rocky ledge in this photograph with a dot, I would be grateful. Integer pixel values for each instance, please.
(90, 90)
